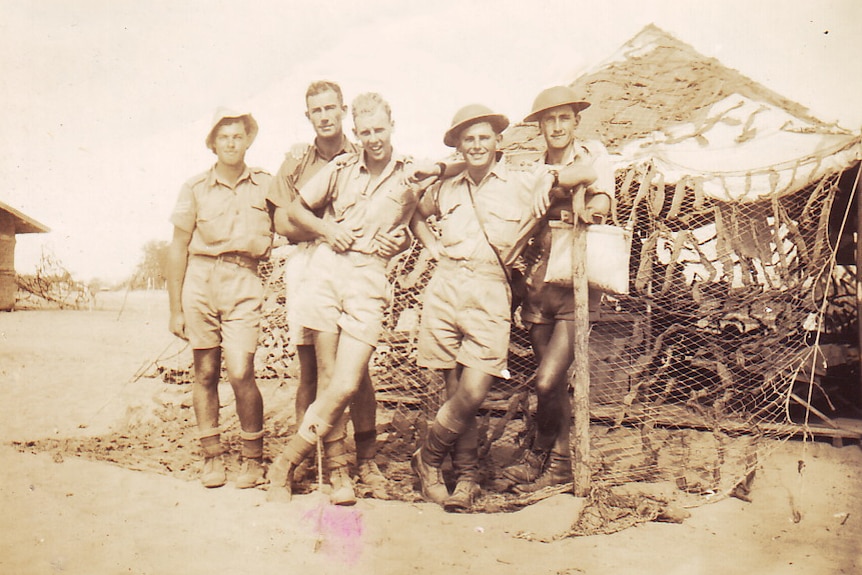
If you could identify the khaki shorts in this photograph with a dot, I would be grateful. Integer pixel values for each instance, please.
(466, 319)
(345, 292)
(295, 282)
(549, 303)
(222, 305)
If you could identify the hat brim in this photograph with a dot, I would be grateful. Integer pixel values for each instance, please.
(251, 135)
(578, 105)
(498, 121)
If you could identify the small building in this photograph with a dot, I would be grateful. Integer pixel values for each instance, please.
(12, 223)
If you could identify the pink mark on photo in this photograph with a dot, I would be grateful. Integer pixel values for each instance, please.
(338, 530)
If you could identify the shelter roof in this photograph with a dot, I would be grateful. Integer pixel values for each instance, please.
(24, 224)
(658, 99)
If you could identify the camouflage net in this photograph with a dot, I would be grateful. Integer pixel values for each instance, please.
(725, 346)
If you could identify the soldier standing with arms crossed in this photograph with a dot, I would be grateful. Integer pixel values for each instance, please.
(325, 110)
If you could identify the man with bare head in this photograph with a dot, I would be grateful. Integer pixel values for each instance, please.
(325, 110)
(359, 206)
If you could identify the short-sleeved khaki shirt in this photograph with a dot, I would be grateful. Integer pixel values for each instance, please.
(298, 167)
(223, 218)
(346, 192)
(504, 198)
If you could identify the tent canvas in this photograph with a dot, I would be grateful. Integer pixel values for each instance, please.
(658, 99)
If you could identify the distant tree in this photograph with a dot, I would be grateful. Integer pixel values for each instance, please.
(152, 271)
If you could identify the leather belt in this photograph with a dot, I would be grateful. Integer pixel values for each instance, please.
(235, 258)
(566, 217)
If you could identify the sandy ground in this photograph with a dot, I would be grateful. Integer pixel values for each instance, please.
(72, 375)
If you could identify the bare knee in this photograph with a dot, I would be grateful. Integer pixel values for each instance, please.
(548, 386)
(207, 364)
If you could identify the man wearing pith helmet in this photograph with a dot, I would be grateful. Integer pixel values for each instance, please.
(548, 308)
(486, 214)
(222, 229)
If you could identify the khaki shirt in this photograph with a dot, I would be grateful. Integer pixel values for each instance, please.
(298, 167)
(585, 153)
(222, 218)
(595, 153)
(346, 192)
(504, 198)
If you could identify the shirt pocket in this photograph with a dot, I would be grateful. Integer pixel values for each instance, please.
(214, 222)
(456, 224)
(258, 226)
(341, 205)
(502, 223)
(395, 208)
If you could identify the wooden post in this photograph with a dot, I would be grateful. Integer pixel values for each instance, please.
(579, 439)
(857, 189)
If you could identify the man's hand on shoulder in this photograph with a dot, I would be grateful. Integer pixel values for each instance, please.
(297, 151)
(542, 193)
(425, 173)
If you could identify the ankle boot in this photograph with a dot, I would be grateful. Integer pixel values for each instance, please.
(428, 459)
(335, 461)
(557, 472)
(462, 498)
(528, 468)
(213, 472)
(280, 474)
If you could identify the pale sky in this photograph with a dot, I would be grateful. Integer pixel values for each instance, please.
(106, 103)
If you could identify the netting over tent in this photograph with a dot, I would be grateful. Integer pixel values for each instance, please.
(739, 307)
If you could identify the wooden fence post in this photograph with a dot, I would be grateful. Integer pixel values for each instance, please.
(579, 439)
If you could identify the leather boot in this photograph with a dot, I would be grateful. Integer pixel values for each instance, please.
(465, 463)
(281, 472)
(252, 471)
(371, 476)
(428, 459)
(528, 468)
(557, 472)
(462, 498)
(335, 461)
(213, 473)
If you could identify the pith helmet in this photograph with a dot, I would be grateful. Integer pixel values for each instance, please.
(553, 97)
(225, 113)
(469, 115)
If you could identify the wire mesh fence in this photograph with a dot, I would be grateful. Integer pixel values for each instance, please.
(714, 350)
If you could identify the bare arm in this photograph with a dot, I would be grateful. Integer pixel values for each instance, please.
(577, 175)
(338, 237)
(287, 228)
(429, 173)
(420, 228)
(178, 253)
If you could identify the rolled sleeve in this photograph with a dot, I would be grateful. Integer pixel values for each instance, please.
(281, 190)
(185, 210)
(605, 182)
(316, 192)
